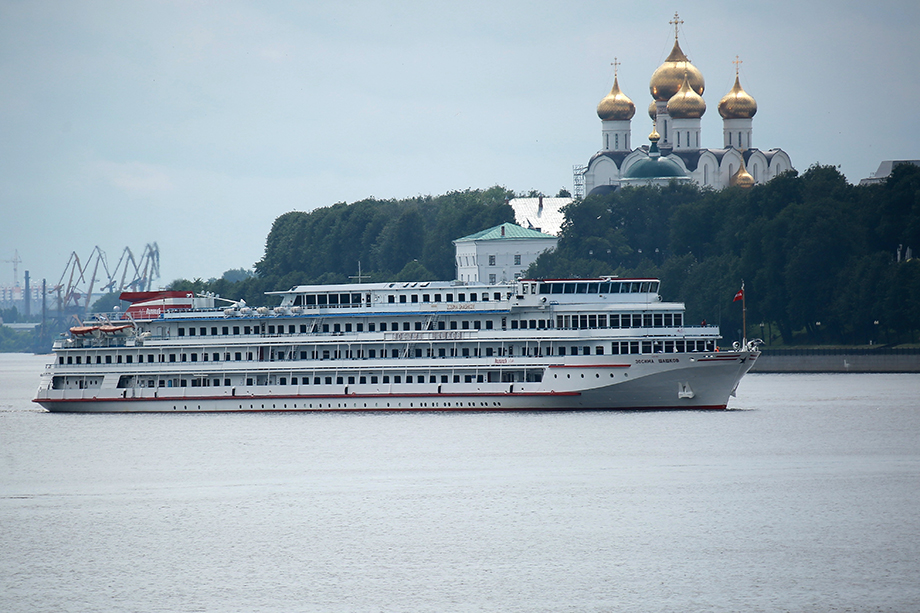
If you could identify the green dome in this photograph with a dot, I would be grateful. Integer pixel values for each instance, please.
(655, 168)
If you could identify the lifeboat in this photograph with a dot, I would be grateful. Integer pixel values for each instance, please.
(117, 330)
(83, 330)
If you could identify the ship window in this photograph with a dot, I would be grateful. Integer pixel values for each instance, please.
(194, 357)
(236, 329)
(351, 380)
(465, 325)
(311, 299)
(414, 298)
(409, 378)
(456, 378)
(658, 320)
(271, 329)
(247, 330)
(615, 348)
(679, 346)
(604, 288)
(426, 297)
(646, 346)
(150, 357)
(562, 351)
(461, 297)
(449, 298)
(592, 321)
(181, 331)
(348, 327)
(418, 325)
(322, 300)
(646, 320)
(373, 379)
(514, 324)
(172, 358)
(678, 319)
(203, 331)
(465, 352)
(282, 380)
(581, 288)
(238, 356)
(568, 288)
(473, 297)
(453, 325)
(397, 379)
(386, 378)
(593, 288)
(644, 287)
(599, 350)
(394, 353)
(668, 320)
(383, 326)
(215, 356)
(497, 296)
(402, 299)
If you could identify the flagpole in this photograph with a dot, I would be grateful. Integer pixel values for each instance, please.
(743, 316)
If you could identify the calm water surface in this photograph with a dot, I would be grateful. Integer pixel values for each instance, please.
(804, 496)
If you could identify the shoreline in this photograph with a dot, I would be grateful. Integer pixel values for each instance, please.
(838, 361)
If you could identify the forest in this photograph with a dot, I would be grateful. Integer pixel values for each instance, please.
(822, 261)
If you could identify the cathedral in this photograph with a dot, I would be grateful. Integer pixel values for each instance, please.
(674, 152)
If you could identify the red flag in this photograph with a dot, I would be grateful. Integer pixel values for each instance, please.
(739, 295)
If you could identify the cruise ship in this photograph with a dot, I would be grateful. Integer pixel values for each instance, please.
(525, 345)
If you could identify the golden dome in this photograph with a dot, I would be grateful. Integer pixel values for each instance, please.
(742, 178)
(737, 104)
(616, 106)
(686, 103)
(653, 110)
(667, 79)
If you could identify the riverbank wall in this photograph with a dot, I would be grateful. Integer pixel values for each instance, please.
(838, 360)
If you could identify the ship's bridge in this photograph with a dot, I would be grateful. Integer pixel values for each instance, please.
(562, 291)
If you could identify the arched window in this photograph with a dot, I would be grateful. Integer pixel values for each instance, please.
(606, 141)
(705, 174)
(617, 137)
(729, 139)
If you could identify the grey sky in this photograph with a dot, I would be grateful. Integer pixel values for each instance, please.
(195, 124)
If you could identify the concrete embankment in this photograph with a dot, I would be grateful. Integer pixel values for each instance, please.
(838, 360)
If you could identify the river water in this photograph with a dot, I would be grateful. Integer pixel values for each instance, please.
(803, 496)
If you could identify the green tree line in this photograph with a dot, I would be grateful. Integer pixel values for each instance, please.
(394, 240)
(819, 257)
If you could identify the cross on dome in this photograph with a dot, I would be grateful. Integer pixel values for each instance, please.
(737, 64)
(677, 21)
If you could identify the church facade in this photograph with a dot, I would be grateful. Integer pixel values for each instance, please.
(676, 108)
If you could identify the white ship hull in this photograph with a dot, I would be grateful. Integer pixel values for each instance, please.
(655, 382)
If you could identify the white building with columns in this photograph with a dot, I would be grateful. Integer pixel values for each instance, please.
(500, 253)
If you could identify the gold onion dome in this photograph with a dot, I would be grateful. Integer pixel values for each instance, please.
(667, 79)
(616, 106)
(742, 178)
(653, 110)
(737, 104)
(686, 103)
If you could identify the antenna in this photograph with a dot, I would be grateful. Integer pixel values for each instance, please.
(359, 276)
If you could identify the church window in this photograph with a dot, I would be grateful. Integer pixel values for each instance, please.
(740, 144)
(729, 139)
(517, 259)
(606, 141)
(617, 138)
(678, 139)
(697, 139)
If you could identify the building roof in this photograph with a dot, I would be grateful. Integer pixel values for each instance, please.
(540, 214)
(503, 232)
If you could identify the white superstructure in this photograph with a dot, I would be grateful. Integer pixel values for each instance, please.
(552, 344)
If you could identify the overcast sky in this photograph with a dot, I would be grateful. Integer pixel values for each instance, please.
(195, 124)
